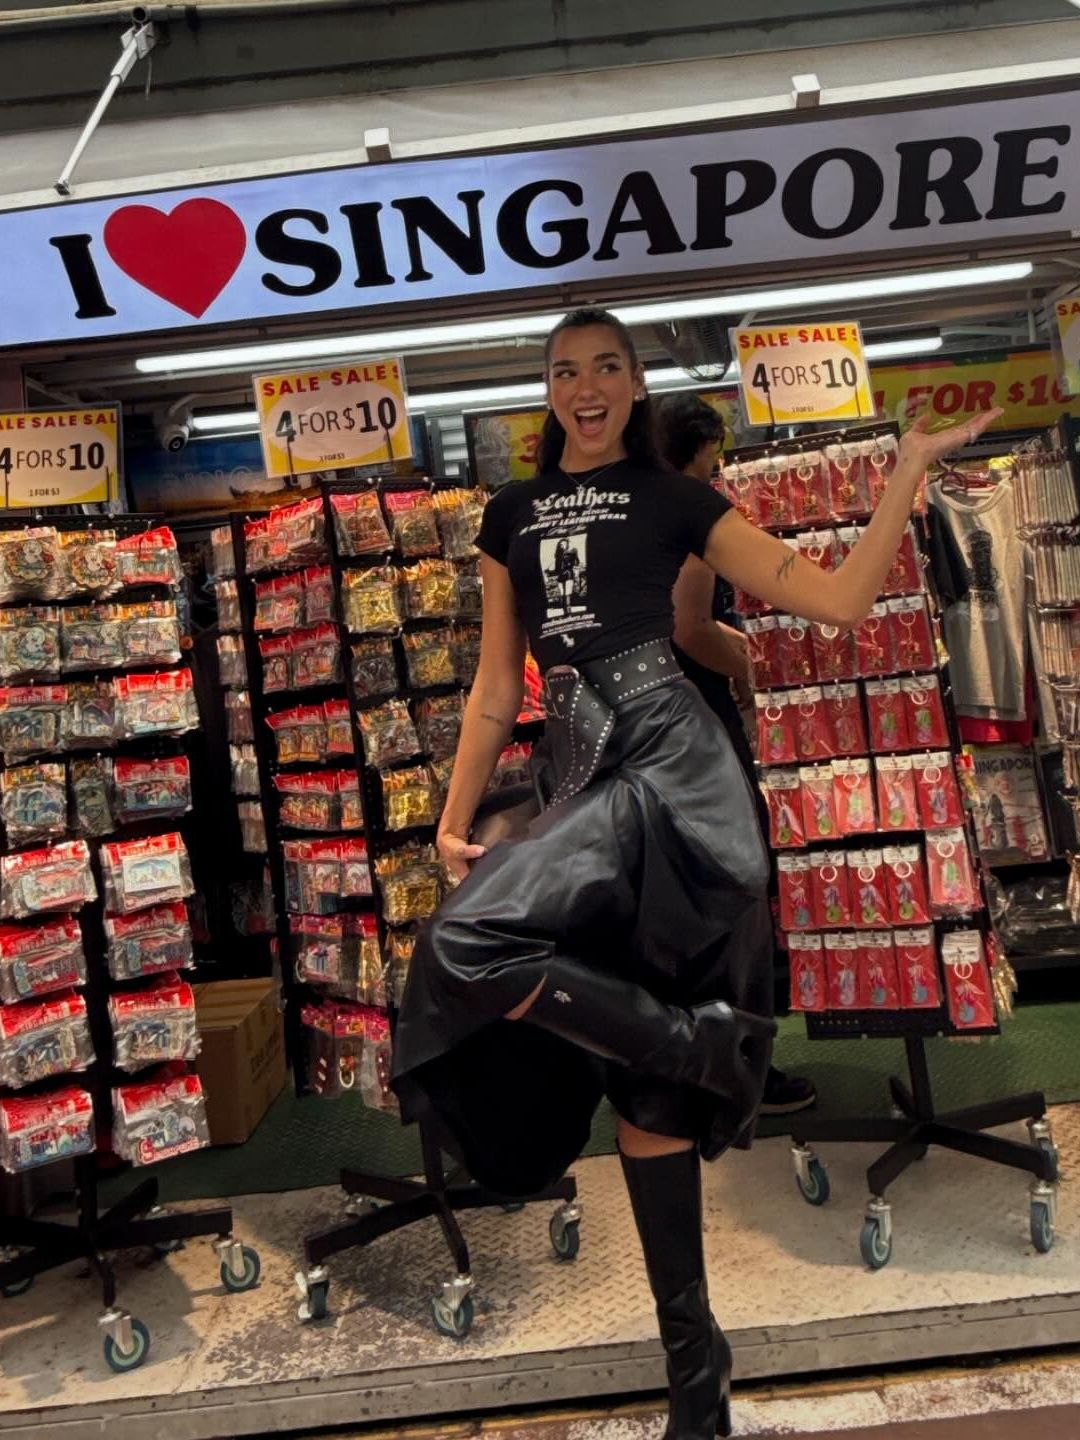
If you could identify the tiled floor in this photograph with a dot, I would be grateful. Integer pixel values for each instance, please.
(787, 1281)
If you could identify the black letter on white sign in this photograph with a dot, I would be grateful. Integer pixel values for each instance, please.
(642, 191)
(367, 244)
(1014, 166)
(274, 243)
(915, 186)
(82, 276)
(464, 247)
(868, 187)
(713, 205)
(512, 226)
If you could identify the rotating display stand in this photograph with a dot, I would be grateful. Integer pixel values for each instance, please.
(30, 1246)
(377, 1205)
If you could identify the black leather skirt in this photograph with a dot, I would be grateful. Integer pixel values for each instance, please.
(655, 871)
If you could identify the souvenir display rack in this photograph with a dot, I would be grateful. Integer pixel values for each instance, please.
(857, 739)
(400, 650)
(93, 746)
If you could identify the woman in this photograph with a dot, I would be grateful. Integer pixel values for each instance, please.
(628, 934)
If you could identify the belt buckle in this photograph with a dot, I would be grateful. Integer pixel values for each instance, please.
(554, 691)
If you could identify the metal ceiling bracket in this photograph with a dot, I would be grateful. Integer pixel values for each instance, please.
(136, 43)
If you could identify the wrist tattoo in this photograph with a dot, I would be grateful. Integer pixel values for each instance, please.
(495, 720)
(785, 565)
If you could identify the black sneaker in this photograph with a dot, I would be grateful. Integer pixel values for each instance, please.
(787, 1094)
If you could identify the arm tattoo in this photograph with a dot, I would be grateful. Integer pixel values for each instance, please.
(495, 720)
(785, 565)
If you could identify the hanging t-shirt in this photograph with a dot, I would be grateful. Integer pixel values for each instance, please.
(593, 557)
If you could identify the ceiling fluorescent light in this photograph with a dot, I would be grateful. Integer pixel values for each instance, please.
(233, 420)
(892, 349)
(392, 342)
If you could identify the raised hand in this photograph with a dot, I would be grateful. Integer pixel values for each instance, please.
(922, 447)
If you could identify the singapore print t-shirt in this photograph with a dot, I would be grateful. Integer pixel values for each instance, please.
(593, 557)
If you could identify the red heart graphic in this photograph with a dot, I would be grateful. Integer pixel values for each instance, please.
(186, 257)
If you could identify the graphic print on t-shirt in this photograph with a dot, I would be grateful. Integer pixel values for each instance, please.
(566, 576)
(563, 524)
(983, 578)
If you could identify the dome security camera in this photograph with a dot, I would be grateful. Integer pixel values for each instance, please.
(173, 435)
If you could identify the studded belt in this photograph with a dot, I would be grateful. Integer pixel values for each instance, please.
(587, 700)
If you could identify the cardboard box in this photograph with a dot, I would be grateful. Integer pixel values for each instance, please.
(242, 1060)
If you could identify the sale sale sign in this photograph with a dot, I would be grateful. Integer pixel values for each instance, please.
(334, 419)
(797, 374)
(1067, 316)
(59, 457)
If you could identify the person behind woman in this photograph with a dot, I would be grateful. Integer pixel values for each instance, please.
(713, 654)
(628, 933)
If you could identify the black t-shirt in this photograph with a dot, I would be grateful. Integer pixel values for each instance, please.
(593, 557)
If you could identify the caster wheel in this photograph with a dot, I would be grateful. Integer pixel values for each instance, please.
(248, 1278)
(316, 1306)
(1042, 1227)
(455, 1323)
(876, 1249)
(565, 1237)
(123, 1360)
(815, 1188)
(16, 1288)
(1049, 1149)
(514, 1207)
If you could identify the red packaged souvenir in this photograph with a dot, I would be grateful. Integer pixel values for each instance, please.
(873, 648)
(830, 889)
(879, 462)
(834, 653)
(775, 729)
(853, 797)
(888, 716)
(738, 482)
(819, 547)
(773, 493)
(905, 882)
(808, 487)
(793, 872)
(916, 969)
(813, 734)
(784, 800)
(878, 982)
(847, 537)
(795, 650)
(905, 575)
(968, 987)
(924, 711)
(808, 984)
(953, 888)
(910, 635)
(763, 644)
(818, 801)
(842, 972)
(844, 716)
(849, 490)
(898, 805)
(940, 806)
(866, 873)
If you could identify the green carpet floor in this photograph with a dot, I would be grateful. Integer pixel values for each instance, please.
(304, 1142)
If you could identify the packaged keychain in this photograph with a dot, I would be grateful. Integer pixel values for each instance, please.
(239, 723)
(335, 1044)
(289, 538)
(371, 601)
(879, 983)
(940, 806)
(374, 669)
(31, 717)
(410, 880)
(355, 871)
(376, 1063)
(429, 590)
(274, 651)
(30, 566)
(849, 487)
(793, 872)
(312, 876)
(924, 711)
(319, 607)
(898, 804)
(279, 604)
(40, 1038)
(773, 493)
(299, 734)
(888, 714)
(338, 729)
(776, 728)
(465, 646)
(817, 797)
(91, 797)
(905, 881)
(227, 599)
(314, 657)
(808, 487)
(308, 801)
(917, 969)
(795, 652)
(866, 876)
(89, 563)
(438, 724)
(389, 734)
(813, 733)
(847, 537)
(844, 718)
(36, 881)
(33, 803)
(953, 888)
(151, 789)
(873, 645)
(160, 1120)
(429, 658)
(151, 632)
(149, 942)
(139, 873)
(458, 514)
(232, 662)
(159, 704)
(783, 797)
(40, 959)
(809, 989)
(737, 480)
(149, 558)
(830, 890)
(834, 653)
(879, 462)
(905, 576)
(89, 720)
(853, 797)
(819, 547)
(911, 637)
(968, 989)
(845, 987)
(412, 522)
(349, 808)
(92, 637)
(153, 1025)
(763, 644)
(362, 938)
(359, 525)
(30, 643)
(318, 949)
(41, 1129)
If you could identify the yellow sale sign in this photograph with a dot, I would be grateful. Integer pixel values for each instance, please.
(60, 457)
(336, 419)
(1067, 315)
(1024, 383)
(794, 374)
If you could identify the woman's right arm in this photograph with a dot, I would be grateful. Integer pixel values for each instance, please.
(493, 707)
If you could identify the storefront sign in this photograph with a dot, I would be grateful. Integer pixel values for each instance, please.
(333, 419)
(1024, 383)
(59, 457)
(802, 191)
(1067, 315)
(792, 374)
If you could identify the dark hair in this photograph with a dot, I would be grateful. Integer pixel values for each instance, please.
(686, 423)
(639, 436)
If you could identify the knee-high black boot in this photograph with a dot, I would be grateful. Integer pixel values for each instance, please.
(711, 1046)
(665, 1192)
